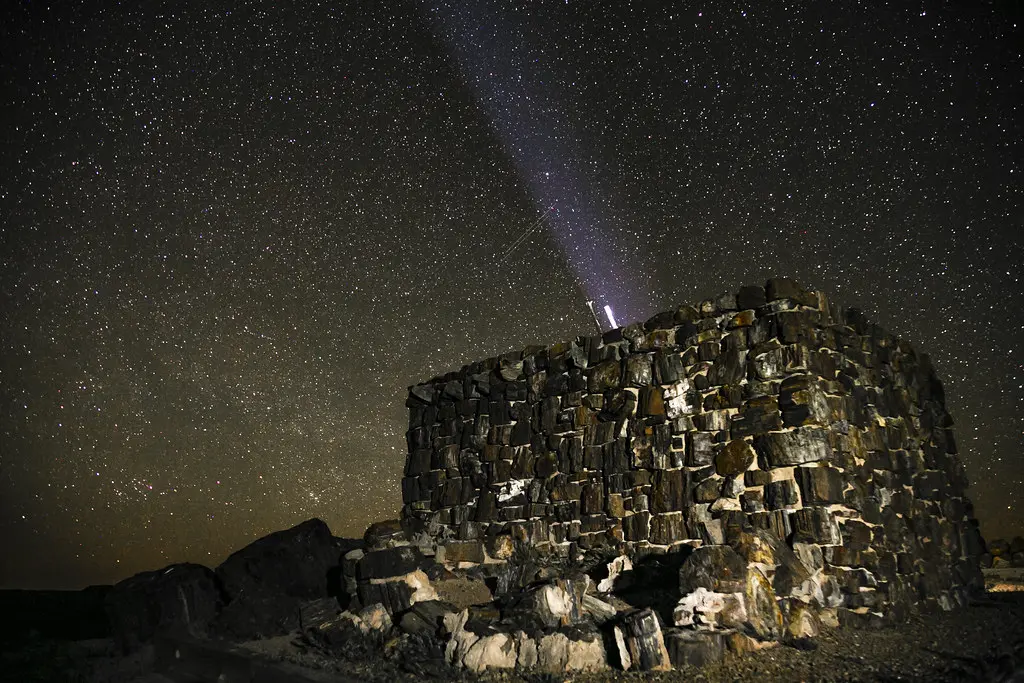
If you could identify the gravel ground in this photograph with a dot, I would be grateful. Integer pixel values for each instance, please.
(984, 642)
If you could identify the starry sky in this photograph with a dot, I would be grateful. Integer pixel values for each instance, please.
(233, 233)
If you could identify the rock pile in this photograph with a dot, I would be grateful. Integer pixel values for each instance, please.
(1002, 553)
(259, 591)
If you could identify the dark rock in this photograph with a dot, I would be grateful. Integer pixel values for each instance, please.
(724, 303)
(424, 393)
(592, 500)
(638, 371)
(759, 415)
(687, 314)
(735, 458)
(651, 403)
(315, 612)
(669, 492)
(384, 534)
(425, 617)
(180, 599)
(999, 547)
(395, 596)
(756, 478)
(660, 321)
(752, 501)
(462, 551)
(667, 528)
(783, 288)
(780, 449)
(802, 401)
(729, 368)
(751, 296)
(815, 525)
(521, 433)
(708, 491)
(717, 568)
(258, 616)
(604, 376)
(820, 484)
(636, 527)
(695, 648)
(382, 564)
(764, 617)
(779, 494)
(700, 450)
(668, 367)
(265, 581)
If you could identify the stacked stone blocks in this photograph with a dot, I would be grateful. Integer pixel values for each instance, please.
(770, 409)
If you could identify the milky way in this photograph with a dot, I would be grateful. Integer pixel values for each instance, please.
(233, 234)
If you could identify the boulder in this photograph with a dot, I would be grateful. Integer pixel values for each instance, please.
(398, 593)
(457, 552)
(293, 562)
(259, 616)
(181, 598)
(386, 534)
(999, 547)
(704, 609)
(735, 458)
(641, 643)
(695, 648)
(586, 651)
(717, 568)
(388, 562)
(574, 651)
(598, 610)
(267, 581)
(750, 296)
(527, 648)
(554, 604)
(496, 651)
(460, 639)
(425, 617)
(764, 618)
(802, 620)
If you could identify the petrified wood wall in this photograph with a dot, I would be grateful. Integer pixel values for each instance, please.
(771, 408)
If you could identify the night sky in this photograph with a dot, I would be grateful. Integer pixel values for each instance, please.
(233, 233)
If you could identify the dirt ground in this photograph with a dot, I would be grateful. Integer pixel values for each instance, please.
(984, 642)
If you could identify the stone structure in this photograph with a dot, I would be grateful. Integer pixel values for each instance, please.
(805, 454)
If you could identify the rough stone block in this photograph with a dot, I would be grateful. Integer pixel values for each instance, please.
(815, 525)
(820, 485)
(717, 568)
(735, 458)
(667, 528)
(802, 445)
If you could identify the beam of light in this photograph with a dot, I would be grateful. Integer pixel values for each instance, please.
(513, 86)
(526, 233)
(593, 312)
(611, 317)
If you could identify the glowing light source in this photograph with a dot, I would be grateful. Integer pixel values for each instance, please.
(611, 318)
